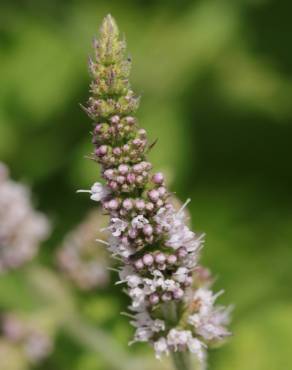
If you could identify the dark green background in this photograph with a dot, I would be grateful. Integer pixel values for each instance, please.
(216, 84)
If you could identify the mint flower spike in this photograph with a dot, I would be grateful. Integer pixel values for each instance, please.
(27, 336)
(172, 306)
(79, 259)
(22, 229)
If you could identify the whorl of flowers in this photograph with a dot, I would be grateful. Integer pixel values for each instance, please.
(171, 307)
(35, 344)
(79, 257)
(21, 227)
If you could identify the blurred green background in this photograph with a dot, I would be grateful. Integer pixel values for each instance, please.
(216, 84)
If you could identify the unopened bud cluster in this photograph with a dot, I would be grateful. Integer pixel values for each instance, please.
(22, 229)
(158, 252)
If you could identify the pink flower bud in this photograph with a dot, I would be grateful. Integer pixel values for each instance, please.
(148, 259)
(159, 203)
(149, 206)
(126, 148)
(113, 204)
(130, 120)
(128, 204)
(132, 233)
(140, 204)
(144, 165)
(160, 258)
(162, 191)
(172, 259)
(148, 229)
(178, 293)
(123, 169)
(115, 119)
(148, 166)
(108, 174)
(113, 185)
(154, 298)
(153, 195)
(131, 178)
(137, 168)
(101, 150)
(97, 128)
(158, 178)
(139, 264)
(121, 179)
(137, 142)
(117, 151)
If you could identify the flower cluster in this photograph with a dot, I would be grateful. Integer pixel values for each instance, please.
(172, 306)
(34, 342)
(21, 228)
(80, 259)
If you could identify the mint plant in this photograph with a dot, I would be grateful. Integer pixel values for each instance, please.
(172, 306)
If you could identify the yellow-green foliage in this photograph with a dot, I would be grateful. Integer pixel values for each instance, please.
(215, 78)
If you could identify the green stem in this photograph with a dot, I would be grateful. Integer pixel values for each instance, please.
(181, 360)
(169, 311)
(98, 341)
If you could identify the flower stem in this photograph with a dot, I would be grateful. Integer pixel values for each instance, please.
(181, 360)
